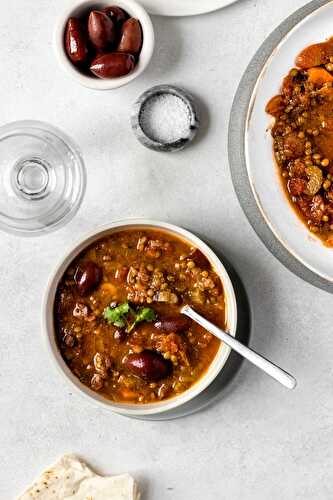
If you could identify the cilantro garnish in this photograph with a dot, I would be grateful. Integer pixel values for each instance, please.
(142, 314)
(117, 316)
(124, 316)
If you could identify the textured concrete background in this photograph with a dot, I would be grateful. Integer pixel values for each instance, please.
(260, 441)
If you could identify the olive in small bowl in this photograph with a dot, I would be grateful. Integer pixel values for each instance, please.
(104, 45)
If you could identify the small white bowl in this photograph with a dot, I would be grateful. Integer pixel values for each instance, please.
(76, 9)
(136, 410)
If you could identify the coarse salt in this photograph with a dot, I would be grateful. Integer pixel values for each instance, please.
(165, 118)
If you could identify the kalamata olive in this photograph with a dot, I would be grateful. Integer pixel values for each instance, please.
(116, 14)
(148, 365)
(75, 41)
(87, 277)
(112, 65)
(101, 30)
(199, 258)
(174, 324)
(120, 336)
(131, 37)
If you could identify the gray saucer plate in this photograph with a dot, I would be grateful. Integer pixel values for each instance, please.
(236, 148)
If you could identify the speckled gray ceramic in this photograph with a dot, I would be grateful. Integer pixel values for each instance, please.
(237, 159)
(149, 142)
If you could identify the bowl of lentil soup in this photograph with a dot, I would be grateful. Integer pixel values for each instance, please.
(112, 316)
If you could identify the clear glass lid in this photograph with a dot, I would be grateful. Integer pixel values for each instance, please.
(42, 178)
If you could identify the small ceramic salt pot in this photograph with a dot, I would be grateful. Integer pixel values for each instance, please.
(174, 128)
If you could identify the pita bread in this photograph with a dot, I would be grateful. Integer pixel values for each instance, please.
(72, 479)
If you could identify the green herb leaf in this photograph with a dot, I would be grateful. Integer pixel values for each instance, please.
(143, 314)
(117, 316)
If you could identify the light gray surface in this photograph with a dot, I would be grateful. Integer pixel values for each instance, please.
(260, 441)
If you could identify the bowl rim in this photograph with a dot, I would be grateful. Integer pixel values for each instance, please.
(135, 10)
(48, 332)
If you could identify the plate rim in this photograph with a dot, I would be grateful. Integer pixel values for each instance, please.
(185, 13)
(237, 148)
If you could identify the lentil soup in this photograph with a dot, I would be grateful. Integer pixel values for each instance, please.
(117, 315)
(303, 137)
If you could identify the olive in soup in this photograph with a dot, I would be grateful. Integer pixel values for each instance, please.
(117, 315)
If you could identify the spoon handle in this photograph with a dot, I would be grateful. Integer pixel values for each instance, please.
(264, 364)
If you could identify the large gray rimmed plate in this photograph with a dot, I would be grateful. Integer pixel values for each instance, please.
(250, 150)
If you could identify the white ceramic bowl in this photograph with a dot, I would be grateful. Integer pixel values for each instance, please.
(77, 8)
(220, 358)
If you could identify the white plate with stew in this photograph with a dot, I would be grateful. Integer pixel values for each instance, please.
(255, 174)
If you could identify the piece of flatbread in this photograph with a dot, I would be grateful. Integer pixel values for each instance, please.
(72, 479)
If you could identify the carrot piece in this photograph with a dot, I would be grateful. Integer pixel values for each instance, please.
(315, 55)
(275, 106)
(128, 394)
(319, 76)
(329, 241)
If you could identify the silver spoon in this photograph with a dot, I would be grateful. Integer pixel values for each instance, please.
(267, 366)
